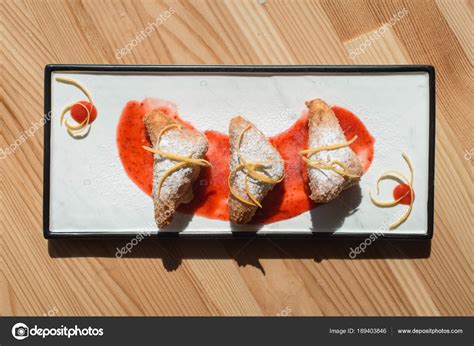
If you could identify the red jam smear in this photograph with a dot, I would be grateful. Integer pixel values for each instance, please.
(403, 190)
(131, 136)
(352, 125)
(288, 199)
(211, 190)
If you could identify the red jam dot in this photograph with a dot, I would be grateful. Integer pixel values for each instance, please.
(79, 113)
(403, 190)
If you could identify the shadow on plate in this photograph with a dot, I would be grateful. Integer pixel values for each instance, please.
(330, 217)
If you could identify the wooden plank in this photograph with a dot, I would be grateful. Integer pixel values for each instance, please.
(241, 277)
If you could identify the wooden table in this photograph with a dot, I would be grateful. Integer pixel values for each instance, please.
(244, 277)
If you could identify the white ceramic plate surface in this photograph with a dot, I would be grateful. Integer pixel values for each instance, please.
(90, 193)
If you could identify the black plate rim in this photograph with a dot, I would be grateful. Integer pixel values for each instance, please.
(238, 69)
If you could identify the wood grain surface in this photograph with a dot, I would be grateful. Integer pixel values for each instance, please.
(244, 277)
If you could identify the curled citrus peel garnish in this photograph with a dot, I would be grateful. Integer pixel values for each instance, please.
(76, 130)
(333, 165)
(251, 170)
(396, 176)
(311, 151)
(182, 160)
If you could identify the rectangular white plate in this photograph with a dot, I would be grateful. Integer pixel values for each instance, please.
(88, 194)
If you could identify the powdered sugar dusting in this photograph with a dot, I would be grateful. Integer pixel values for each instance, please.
(324, 129)
(254, 147)
(181, 142)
